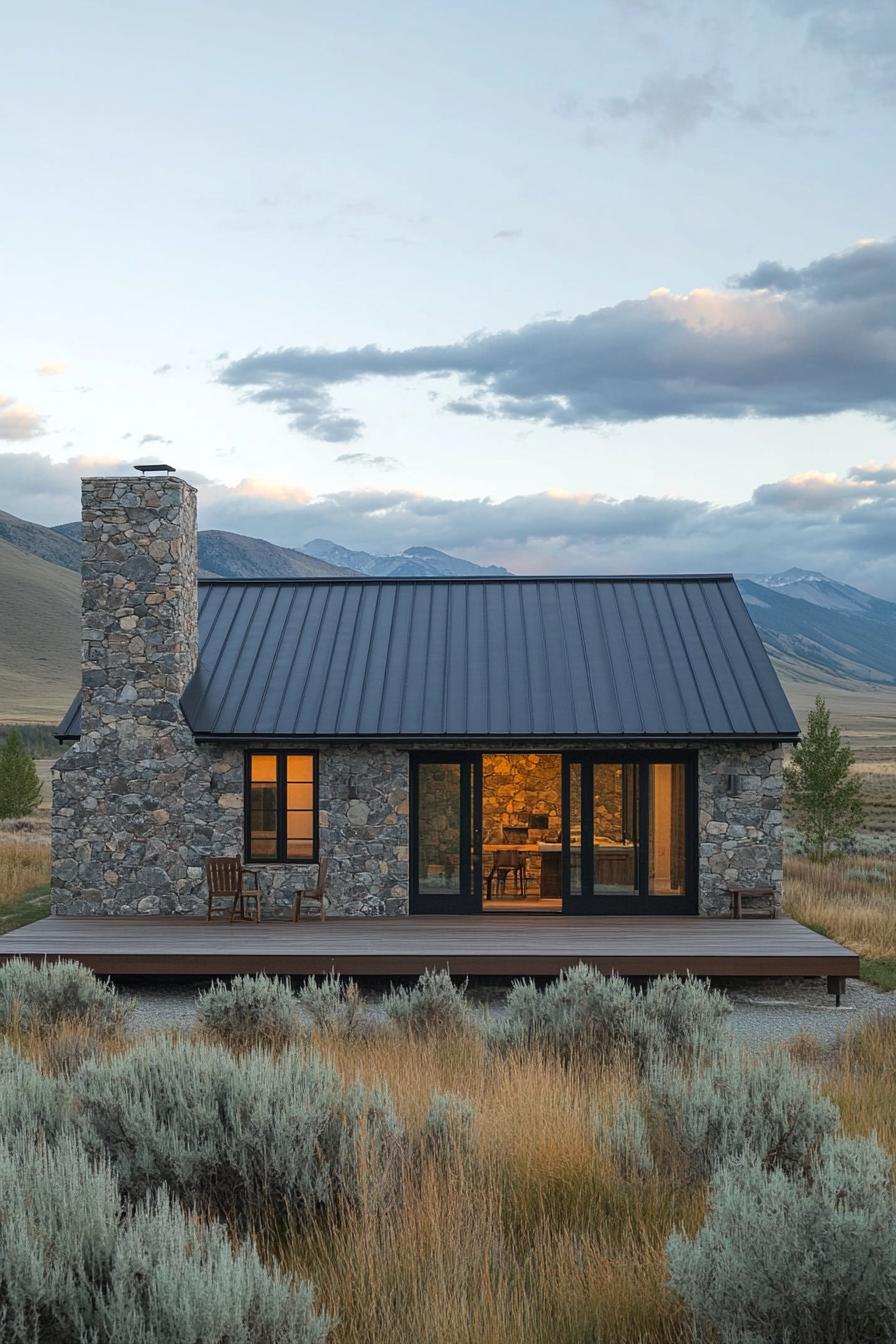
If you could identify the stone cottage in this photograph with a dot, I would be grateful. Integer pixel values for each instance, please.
(585, 745)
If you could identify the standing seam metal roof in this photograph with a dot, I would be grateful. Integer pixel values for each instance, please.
(674, 656)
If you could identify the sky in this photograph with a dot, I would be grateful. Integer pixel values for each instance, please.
(575, 287)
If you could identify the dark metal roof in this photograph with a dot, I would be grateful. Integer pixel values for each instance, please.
(671, 656)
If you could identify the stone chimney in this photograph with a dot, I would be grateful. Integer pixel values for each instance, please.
(138, 599)
(135, 805)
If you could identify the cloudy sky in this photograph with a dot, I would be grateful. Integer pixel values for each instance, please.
(568, 287)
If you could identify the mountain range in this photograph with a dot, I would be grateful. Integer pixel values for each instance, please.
(818, 631)
(416, 562)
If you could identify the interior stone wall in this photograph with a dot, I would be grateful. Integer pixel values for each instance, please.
(515, 785)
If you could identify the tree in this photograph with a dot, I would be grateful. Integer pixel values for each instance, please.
(826, 800)
(19, 784)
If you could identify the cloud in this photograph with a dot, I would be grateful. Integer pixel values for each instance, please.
(154, 438)
(18, 421)
(51, 369)
(862, 33)
(782, 343)
(844, 524)
(367, 460)
(163, 368)
(507, 235)
(672, 105)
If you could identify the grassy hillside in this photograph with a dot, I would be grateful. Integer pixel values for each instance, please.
(45, 542)
(39, 635)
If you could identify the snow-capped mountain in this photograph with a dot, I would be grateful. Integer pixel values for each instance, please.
(416, 562)
(810, 586)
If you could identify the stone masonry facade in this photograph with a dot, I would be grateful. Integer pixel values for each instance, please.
(139, 805)
(741, 835)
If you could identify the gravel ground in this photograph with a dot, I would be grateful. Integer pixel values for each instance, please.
(764, 1010)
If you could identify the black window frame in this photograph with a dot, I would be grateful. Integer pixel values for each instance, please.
(640, 901)
(281, 753)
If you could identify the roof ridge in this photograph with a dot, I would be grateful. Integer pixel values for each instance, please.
(220, 581)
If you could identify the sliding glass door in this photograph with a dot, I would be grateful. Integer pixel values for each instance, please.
(446, 834)
(629, 839)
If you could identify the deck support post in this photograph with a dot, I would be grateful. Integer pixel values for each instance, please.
(837, 986)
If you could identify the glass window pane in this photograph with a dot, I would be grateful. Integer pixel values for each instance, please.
(263, 768)
(438, 834)
(300, 849)
(263, 819)
(300, 769)
(575, 828)
(300, 795)
(615, 827)
(299, 825)
(666, 860)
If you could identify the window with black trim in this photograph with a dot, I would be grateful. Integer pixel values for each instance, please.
(281, 807)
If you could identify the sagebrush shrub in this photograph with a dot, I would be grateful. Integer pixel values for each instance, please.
(32, 997)
(624, 1135)
(586, 1014)
(783, 1257)
(333, 1004)
(740, 1105)
(250, 1008)
(237, 1135)
(450, 1124)
(77, 1265)
(30, 1102)
(581, 1013)
(434, 1005)
(679, 1018)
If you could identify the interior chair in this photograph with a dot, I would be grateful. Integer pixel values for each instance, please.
(233, 884)
(506, 863)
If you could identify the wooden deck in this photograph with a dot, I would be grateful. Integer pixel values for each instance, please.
(494, 945)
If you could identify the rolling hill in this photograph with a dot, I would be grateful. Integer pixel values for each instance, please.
(39, 636)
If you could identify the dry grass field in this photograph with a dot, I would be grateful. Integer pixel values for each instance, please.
(531, 1231)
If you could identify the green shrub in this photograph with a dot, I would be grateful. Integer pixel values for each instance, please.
(333, 1004)
(250, 1008)
(434, 1006)
(236, 1135)
(38, 996)
(450, 1122)
(785, 1258)
(77, 1266)
(740, 1105)
(30, 1102)
(625, 1137)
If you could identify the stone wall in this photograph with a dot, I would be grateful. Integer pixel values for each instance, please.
(514, 785)
(741, 834)
(138, 805)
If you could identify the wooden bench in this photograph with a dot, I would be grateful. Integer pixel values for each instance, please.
(766, 894)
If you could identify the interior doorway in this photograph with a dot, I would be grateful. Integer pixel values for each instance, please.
(522, 849)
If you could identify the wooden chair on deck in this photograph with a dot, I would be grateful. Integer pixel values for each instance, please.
(315, 894)
(226, 880)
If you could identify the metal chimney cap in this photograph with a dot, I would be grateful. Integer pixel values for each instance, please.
(153, 466)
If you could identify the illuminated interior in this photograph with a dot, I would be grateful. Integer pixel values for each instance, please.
(637, 846)
(521, 842)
